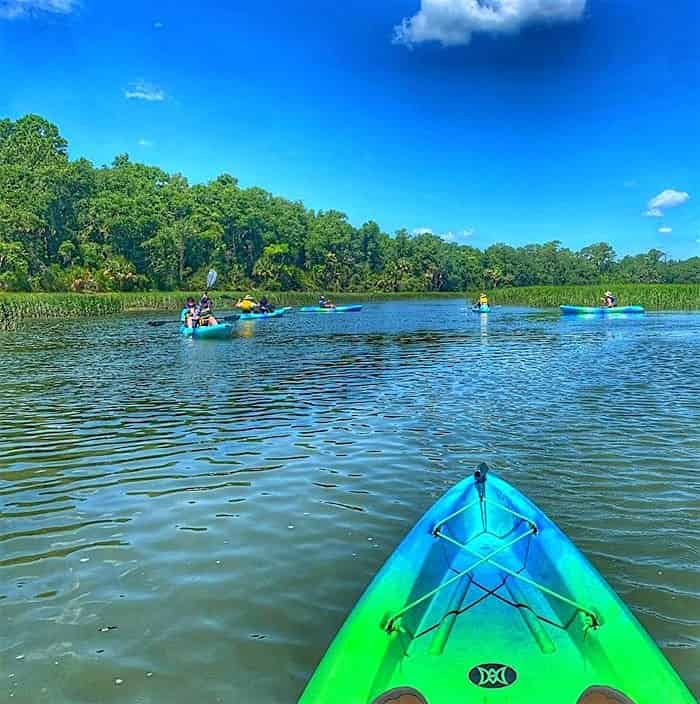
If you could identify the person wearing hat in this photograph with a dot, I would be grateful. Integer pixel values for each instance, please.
(609, 301)
(323, 302)
(246, 304)
(483, 302)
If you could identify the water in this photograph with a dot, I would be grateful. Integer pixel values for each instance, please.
(191, 521)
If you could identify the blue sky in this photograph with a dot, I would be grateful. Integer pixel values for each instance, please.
(482, 120)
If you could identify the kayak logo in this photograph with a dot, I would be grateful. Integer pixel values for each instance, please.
(492, 676)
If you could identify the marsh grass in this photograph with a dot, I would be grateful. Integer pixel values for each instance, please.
(651, 296)
(15, 307)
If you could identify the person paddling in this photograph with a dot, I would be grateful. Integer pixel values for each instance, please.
(609, 301)
(247, 304)
(483, 302)
(265, 306)
(205, 310)
(188, 315)
(323, 302)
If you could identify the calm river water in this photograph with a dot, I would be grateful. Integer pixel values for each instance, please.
(191, 521)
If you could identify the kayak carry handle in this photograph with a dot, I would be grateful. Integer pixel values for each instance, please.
(480, 479)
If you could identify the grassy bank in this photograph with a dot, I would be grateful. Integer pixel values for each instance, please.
(651, 296)
(15, 307)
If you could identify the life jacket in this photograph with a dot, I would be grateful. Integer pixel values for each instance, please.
(246, 305)
(483, 300)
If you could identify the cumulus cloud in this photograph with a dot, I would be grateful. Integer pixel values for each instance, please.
(653, 213)
(144, 91)
(453, 22)
(458, 236)
(421, 231)
(665, 230)
(668, 199)
(11, 9)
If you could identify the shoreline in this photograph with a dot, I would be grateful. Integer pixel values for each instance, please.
(18, 307)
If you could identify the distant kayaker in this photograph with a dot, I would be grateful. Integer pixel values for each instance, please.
(609, 301)
(265, 306)
(205, 314)
(483, 301)
(188, 315)
(247, 304)
(323, 302)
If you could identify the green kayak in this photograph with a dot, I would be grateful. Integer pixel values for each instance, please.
(487, 601)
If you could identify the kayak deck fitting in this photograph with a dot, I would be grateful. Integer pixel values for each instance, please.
(486, 600)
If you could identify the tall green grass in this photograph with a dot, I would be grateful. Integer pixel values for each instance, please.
(651, 296)
(15, 307)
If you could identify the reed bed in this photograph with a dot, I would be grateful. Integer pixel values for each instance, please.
(16, 307)
(651, 296)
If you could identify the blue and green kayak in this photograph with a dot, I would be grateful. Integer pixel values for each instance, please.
(259, 316)
(599, 310)
(487, 601)
(481, 309)
(334, 309)
(208, 332)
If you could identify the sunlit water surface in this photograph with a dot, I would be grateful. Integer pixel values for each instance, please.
(191, 521)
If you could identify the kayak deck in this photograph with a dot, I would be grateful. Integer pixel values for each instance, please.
(599, 310)
(259, 316)
(484, 594)
(334, 309)
(208, 332)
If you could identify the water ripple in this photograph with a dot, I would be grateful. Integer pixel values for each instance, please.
(196, 520)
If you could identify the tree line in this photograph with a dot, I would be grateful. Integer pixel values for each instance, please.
(69, 226)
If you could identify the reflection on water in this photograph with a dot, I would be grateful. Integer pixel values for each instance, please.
(191, 521)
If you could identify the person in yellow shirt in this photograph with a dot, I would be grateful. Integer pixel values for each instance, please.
(247, 304)
(482, 302)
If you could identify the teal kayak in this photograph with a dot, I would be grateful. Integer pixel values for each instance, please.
(486, 601)
(257, 316)
(481, 309)
(599, 310)
(335, 309)
(208, 332)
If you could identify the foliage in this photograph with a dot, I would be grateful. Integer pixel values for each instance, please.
(68, 226)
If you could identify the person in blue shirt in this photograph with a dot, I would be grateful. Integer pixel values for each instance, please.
(323, 302)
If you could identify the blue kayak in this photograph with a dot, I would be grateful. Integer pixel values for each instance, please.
(273, 314)
(481, 309)
(334, 309)
(208, 332)
(599, 310)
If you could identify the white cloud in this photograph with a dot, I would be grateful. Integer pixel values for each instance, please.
(668, 199)
(665, 230)
(145, 142)
(144, 91)
(452, 22)
(11, 9)
(457, 236)
(421, 231)
(653, 213)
